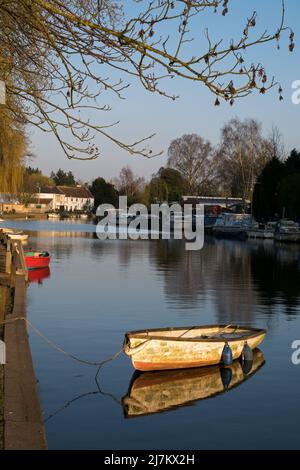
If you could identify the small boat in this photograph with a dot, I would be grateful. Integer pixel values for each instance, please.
(263, 231)
(15, 234)
(37, 259)
(53, 215)
(287, 231)
(156, 392)
(185, 347)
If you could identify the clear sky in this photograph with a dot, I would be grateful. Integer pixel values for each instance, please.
(143, 113)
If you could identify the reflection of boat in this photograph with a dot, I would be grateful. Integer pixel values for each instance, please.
(153, 392)
(287, 231)
(38, 275)
(37, 259)
(230, 225)
(184, 347)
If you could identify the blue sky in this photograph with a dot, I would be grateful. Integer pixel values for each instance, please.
(143, 113)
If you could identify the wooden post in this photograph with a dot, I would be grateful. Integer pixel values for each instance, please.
(8, 257)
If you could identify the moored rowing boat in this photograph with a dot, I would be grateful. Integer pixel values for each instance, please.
(37, 259)
(185, 347)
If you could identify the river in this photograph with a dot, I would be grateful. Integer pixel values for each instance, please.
(98, 290)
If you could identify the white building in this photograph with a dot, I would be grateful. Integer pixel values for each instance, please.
(65, 198)
(77, 198)
(53, 195)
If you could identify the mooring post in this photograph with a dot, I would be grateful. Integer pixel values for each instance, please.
(8, 257)
(2, 353)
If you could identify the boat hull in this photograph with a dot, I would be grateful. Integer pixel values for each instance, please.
(157, 350)
(228, 232)
(37, 262)
(288, 237)
(261, 234)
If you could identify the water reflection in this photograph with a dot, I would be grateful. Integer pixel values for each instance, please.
(39, 275)
(155, 392)
(276, 275)
(237, 276)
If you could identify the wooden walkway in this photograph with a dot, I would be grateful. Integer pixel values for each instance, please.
(20, 406)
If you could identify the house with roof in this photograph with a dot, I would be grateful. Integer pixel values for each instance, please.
(77, 198)
(65, 198)
(54, 196)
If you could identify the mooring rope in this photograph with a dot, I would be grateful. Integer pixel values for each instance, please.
(58, 348)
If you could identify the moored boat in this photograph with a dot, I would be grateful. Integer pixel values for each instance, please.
(287, 231)
(230, 225)
(185, 347)
(155, 392)
(15, 234)
(263, 231)
(37, 259)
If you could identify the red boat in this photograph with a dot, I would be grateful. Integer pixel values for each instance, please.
(37, 259)
(38, 275)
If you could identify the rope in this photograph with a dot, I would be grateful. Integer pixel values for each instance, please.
(58, 348)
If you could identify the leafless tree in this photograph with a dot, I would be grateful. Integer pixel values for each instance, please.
(59, 57)
(192, 156)
(242, 154)
(130, 185)
(277, 147)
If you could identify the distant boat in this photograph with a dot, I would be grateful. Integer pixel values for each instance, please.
(53, 215)
(37, 259)
(156, 392)
(230, 225)
(287, 231)
(15, 234)
(185, 347)
(264, 231)
(1, 220)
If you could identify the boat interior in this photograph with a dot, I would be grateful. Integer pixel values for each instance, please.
(226, 333)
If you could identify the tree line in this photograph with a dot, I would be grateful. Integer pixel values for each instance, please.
(277, 190)
(245, 163)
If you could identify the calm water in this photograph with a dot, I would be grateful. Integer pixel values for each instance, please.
(98, 290)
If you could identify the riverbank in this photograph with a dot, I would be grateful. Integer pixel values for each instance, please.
(21, 420)
(23, 215)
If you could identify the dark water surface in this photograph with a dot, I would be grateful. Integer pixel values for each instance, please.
(97, 290)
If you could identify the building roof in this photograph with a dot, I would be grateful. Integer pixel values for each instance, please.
(51, 190)
(76, 191)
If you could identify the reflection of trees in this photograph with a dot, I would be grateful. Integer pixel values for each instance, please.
(230, 276)
(276, 275)
(183, 272)
(237, 276)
